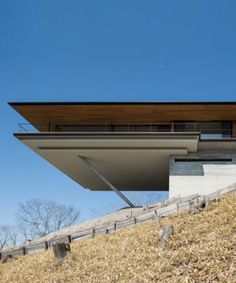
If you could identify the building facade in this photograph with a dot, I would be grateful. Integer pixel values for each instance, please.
(180, 147)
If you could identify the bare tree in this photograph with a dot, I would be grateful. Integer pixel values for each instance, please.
(37, 218)
(8, 236)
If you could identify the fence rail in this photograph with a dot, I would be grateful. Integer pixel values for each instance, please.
(157, 211)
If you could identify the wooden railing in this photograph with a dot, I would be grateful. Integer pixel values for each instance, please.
(157, 211)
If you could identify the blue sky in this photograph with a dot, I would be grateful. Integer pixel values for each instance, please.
(103, 51)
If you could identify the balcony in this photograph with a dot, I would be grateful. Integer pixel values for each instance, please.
(207, 130)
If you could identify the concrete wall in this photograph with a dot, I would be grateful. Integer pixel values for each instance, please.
(201, 177)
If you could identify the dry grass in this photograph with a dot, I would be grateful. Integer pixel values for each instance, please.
(203, 249)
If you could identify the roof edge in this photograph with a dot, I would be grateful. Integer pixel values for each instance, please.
(39, 135)
(12, 104)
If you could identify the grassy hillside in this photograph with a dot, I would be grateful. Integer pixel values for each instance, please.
(202, 249)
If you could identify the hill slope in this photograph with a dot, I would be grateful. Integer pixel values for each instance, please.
(202, 249)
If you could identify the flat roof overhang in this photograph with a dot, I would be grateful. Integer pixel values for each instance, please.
(131, 162)
(44, 116)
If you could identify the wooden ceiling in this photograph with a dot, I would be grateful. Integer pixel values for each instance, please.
(46, 115)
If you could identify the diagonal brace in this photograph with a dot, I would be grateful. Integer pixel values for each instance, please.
(99, 174)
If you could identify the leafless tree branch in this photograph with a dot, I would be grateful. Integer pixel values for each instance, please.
(8, 236)
(37, 218)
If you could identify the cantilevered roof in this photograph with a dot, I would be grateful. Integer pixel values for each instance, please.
(129, 162)
(46, 115)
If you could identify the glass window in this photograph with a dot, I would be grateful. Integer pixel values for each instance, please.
(81, 128)
(207, 129)
(221, 129)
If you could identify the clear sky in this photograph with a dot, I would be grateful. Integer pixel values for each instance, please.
(103, 51)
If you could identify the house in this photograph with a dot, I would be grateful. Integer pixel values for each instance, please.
(180, 147)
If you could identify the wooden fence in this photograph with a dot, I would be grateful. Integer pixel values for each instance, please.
(157, 211)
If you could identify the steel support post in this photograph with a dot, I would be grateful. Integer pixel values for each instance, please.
(100, 175)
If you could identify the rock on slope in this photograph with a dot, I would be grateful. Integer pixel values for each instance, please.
(202, 249)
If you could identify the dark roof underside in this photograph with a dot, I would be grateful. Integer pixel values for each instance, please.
(45, 115)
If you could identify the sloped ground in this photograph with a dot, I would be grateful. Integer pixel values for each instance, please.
(106, 219)
(202, 249)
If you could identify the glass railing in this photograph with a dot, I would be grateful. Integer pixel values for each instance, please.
(26, 128)
(208, 130)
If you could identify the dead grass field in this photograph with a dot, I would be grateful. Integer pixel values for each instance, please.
(202, 249)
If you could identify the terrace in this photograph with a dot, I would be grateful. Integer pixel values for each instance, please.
(207, 130)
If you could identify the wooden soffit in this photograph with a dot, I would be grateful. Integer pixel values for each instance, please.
(42, 115)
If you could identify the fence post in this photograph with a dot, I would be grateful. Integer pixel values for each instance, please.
(177, 206)
(115, 226)
(189, 203)
(197, 200)
(69, 239)
(46, 245)
(93, 232)
(158, 217)
(24, 250)
(135, 220)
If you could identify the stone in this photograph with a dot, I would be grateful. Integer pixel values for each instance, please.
(197, 207)
(7, 258)
(61, 250)
(164, 234)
